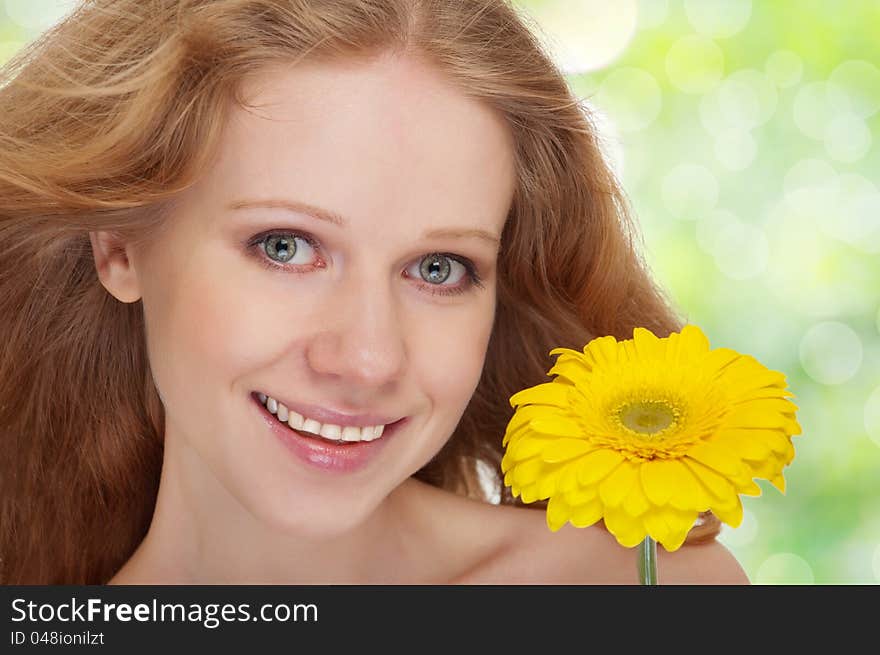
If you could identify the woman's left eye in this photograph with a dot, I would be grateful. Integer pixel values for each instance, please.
(438, 273)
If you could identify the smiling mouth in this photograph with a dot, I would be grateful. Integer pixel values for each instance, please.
(327, 432)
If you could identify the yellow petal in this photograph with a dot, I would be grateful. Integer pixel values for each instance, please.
(586, 514)
(659, 479)
(717, 486)
(731, 513)
(557, 426)
(566, 352)
(746, 417)
(767, 468)
(748, 444)
(689, 494)
(602, 350)
(547, 393)
(558, 512)
(778, 441)
(778, 481)
(581, 495)
(636, 502)
(769, 405)
(563, 449)
(574, 369)
(646, 343)
(669, 526)
(614, 488)
(527, 445)
(746, 374)
(750, 489)
(716, 456)
(719, 359)
(527, 472)
(694, 341)
(529, 494)
(628, 530)
(506, 462)
(548, 483)
(521, 418)
(596, 465)
(568, 481)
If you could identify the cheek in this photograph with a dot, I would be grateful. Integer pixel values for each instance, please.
(201, 334)
(449, 361)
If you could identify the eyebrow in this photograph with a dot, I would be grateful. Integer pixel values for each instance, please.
(336, 219)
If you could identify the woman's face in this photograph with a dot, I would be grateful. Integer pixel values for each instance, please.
(249, 291)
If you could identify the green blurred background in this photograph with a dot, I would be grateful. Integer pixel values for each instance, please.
(743, 132)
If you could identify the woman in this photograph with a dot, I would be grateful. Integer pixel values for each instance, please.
(270, 271)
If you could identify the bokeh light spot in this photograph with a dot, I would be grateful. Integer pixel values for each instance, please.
(847, 138)
(741, 251)
(742, 101)
(831, 352)
(653, 13)
(690, 191)
(855, 86)
(718, 18)
(810, 274)
(784, 68)
(743, 535)
(695, 64)
(735, 149)
(632, 96)
(854, 215)
(784, 568)
(813, 111)
(584, 35)
(711, 225)
(810, 174)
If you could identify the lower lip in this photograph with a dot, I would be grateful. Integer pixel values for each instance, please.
(323, 455)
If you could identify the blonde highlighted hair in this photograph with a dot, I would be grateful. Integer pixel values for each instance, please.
(110, 114)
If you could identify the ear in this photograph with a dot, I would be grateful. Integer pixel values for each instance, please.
(114, 266)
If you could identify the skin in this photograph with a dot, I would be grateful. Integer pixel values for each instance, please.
(350, 325)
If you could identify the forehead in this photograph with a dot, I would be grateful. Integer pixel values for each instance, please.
(370, 139)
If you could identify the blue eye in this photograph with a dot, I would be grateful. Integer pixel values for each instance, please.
(295, 252)
(283, 247)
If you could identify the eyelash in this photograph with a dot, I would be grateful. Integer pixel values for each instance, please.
(254, 243)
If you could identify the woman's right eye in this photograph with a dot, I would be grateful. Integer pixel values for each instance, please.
(283, 248)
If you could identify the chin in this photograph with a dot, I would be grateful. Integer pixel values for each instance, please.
(316, 518)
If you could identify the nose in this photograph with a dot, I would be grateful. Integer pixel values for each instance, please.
(362, 341)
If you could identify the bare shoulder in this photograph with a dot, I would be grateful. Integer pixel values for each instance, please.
(533, 554)
(700, 563)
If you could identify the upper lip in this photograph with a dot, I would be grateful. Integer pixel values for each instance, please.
(324, 415)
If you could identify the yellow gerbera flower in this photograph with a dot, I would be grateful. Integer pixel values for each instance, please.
(648, 432)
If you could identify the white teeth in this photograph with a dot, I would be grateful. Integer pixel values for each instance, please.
(311, 425)
(295, 420)
(351, 433)
(327, 430)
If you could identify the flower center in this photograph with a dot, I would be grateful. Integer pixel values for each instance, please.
(647, 417)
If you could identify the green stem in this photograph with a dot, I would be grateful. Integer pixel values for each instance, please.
(647, 562)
